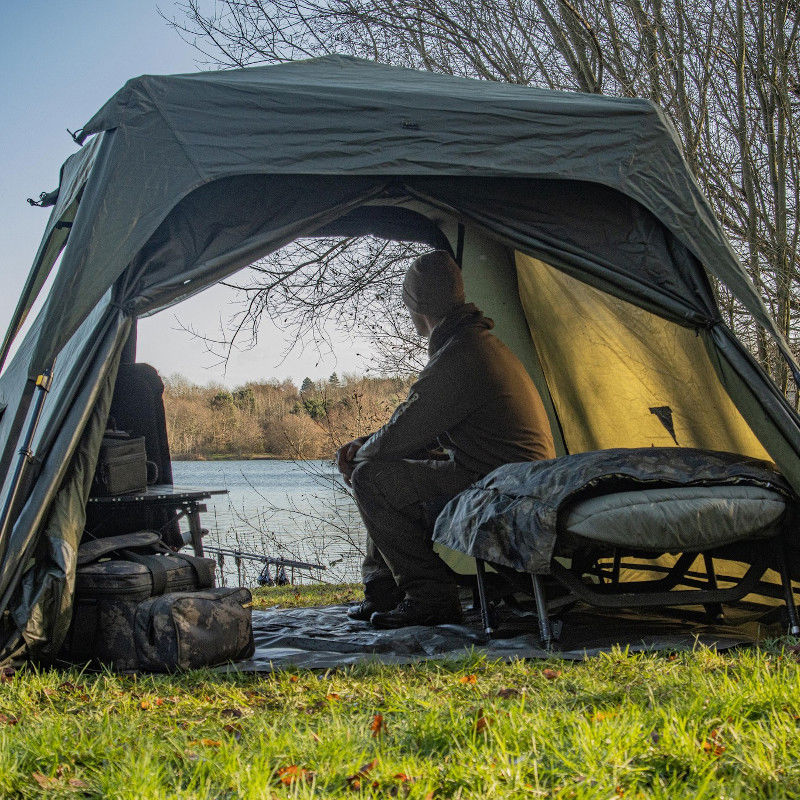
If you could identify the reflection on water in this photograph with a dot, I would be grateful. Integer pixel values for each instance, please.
(299, 510)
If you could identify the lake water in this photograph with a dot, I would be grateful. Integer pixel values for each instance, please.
(299, 510)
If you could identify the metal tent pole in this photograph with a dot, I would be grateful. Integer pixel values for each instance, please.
(25, 459)
(480, 576)
(545, 631)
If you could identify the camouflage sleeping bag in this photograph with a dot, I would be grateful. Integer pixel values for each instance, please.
(512, 516)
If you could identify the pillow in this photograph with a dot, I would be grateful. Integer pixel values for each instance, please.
(680, 519)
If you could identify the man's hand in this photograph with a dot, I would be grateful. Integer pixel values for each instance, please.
(345, 456)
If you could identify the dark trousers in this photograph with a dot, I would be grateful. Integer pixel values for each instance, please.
(398, 501)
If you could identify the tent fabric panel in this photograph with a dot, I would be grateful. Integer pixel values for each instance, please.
(74, 174)
(16, 388)
(490, 281)
(228, 224)
(595, 234)
(136, 179)
(766, 410)
(44, 609)
(51, 249)
(89, 366)
(342, 115)
(622, 377)
(165, 136)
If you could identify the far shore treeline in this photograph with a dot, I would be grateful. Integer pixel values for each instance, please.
(276, 419)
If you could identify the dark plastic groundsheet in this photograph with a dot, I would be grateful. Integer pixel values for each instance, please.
(324, 638)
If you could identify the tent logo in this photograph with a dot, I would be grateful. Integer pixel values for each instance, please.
(664, 416)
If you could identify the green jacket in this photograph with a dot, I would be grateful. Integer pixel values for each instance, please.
(474, 398)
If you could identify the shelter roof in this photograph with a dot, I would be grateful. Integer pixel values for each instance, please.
(160, 138)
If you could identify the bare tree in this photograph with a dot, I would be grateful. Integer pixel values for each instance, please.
(726, 71)
(352, 283)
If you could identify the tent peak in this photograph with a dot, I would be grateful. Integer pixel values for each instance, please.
(342, 75)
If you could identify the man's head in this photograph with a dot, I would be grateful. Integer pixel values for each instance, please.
(432, 288)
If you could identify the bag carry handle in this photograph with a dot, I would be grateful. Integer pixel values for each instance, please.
(97, 548)
(155, 566)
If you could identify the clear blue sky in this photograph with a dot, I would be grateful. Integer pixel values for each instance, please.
(60, 62)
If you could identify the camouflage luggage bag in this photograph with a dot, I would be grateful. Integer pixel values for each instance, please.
(117, 621)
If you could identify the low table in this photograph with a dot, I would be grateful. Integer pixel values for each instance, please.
(187, 501)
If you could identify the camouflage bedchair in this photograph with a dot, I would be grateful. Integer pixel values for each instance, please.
(576, 517)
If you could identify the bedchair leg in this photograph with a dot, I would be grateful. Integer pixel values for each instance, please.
(788, 594)
(486, 619)
(615, 567)
(545, 631)
(714, 610)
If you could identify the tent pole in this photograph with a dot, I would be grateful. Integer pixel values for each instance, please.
(25, 459)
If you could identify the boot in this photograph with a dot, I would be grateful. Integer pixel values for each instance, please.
(415, 612)
(378, 597)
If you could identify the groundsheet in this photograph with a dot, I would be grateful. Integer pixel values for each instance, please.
(323, 638)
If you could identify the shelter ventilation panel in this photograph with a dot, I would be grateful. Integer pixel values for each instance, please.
(620, 376)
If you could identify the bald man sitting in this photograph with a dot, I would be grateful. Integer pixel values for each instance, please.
(473, 400)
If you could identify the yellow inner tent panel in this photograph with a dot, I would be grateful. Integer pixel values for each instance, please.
(620, 376)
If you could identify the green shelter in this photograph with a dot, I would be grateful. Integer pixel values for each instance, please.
(579, 226)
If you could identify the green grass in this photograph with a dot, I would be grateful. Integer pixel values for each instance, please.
(316, 594)
(694, 725)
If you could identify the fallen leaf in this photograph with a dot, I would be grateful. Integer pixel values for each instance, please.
(211, 742)
(468, 679)
(506, 693)
(77, 783)
(5, 719)
(356, 780)
(712, 748)
(377, 726)
(551, 674)
(292, 773)
(481, 722)
(332, 697)
(44, 781)
(236, 713)
(293, 679)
